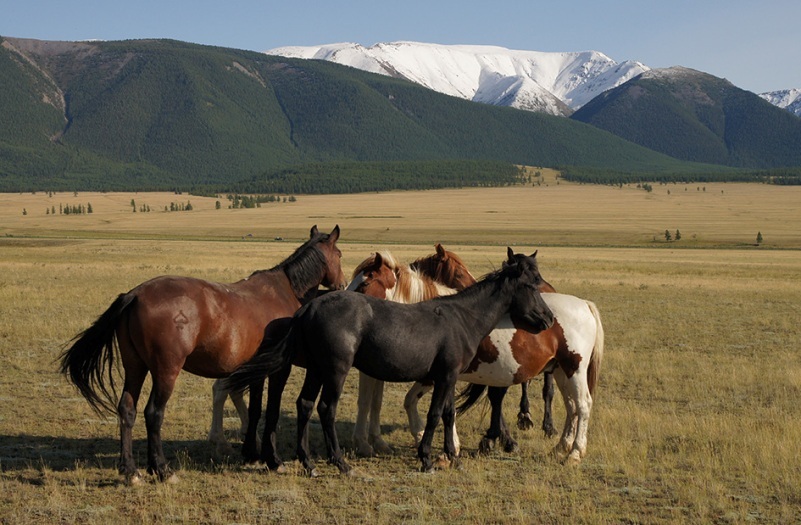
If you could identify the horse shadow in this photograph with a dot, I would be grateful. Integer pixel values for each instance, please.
(27, 456)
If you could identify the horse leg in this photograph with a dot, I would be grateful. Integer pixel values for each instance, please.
(269, 443)
(126, 409)
(583, 407)
(305, 405)
(327, 410)
(497, 427)
(524, 421)
(509, 444)
(250, 447)
(449, 427)
(379, 445)
(163, 385)
(416, 426)
(562, 449)
(216, 433)
(238, 399)
(361, 438)
(438, 401)
(547, 402)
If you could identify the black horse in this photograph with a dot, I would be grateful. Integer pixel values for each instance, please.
(433, 340)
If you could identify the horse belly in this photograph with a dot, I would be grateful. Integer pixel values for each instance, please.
(494, 364)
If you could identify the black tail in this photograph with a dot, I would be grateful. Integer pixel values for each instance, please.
(275, 353)
(89, 362)
(469, 396)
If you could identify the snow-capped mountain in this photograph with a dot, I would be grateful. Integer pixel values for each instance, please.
(555, 83)
(789, 99)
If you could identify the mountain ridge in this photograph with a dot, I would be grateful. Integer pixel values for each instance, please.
(525, 78)
(167, 114)
(550, 82)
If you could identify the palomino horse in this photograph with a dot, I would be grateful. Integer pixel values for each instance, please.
(172, 323)
(380, 275)
(430, 340)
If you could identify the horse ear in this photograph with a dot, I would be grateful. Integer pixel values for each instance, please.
(313, 232)
(378, 260)
(510, 254)
(440, 250)
(534, 255)
(334, 235)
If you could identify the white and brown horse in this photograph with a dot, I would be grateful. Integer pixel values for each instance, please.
(572, 349)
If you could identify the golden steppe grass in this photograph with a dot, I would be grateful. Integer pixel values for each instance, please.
(697, 417)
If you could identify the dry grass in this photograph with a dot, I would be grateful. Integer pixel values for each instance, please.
(712, 215)
(697, 419)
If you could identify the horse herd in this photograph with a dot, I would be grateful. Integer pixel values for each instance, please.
(430, 322)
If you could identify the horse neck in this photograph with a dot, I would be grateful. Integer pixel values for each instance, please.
(484, 303)
(411, 286)
(305, 269)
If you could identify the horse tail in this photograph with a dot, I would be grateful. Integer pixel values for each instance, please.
(469, 396)
(276, 352)
(594, 368)
(89, 362)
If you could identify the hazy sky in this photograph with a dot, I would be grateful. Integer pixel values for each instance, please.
(753, 44)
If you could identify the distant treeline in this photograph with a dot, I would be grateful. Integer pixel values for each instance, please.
(782, 176)
(358, 177)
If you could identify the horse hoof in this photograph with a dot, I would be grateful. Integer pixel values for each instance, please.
(313, 473)
(363, 450)
(443, 462)
(511, 448)
(280, 469)
(485, 446)
(172, 479)
(573, 459)
(559, 452)
(381, 447)
(524, 421)
(134, 479)
(549, 431)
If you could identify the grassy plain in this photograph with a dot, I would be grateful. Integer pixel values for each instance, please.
(697, 418)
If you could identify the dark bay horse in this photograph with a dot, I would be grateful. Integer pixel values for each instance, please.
(572, 349)
(431, 340)
(170, 323)
(380, 275)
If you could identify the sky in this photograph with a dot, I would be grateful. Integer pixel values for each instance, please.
(755, 45)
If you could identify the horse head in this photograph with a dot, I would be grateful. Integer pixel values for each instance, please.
(447, 268)
(527, 304)
(374, 277)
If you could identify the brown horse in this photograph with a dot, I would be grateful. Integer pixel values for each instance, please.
(172, 323)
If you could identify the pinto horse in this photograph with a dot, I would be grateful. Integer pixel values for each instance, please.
(572, 349)
(380, 275)
(431, 340)
(172, 323)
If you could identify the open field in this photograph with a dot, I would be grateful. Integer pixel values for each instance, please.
(697, 419)
(711, 215)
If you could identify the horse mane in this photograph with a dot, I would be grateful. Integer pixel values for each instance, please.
(304, 266)
(428, 265)
(412, 286)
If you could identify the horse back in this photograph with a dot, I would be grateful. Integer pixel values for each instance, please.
(209, 328)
